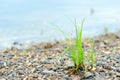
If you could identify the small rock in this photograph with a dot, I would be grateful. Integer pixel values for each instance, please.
(118, 70)
(20, 72)
(10, 56)
(98, 76)
(15, 58)
(47, 72)
(118, 75)
(118, 36)
(88, 75)
(33, 70)
(117, 57)
(80, 69)
(25, 78)
(106, 52)
(28, 64)
(5, 51)
(69, 64)
(36, 75)
(111, 73)
(93, 69)
(48, 66)
(76, 78)
(1, 64)
(99, 63)
(46, 61)
(65, 78)
(108, 67)
(35, 64)
(118, 61)
(31, 76)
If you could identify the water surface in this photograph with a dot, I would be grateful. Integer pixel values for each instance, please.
(35, 20)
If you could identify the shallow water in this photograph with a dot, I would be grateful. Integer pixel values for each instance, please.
(27, 20)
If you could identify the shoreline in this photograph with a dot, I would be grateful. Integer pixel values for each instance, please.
(27, 42)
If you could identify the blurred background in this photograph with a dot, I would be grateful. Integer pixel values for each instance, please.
(28, 21)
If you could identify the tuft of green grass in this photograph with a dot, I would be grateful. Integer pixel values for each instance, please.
(76, 52)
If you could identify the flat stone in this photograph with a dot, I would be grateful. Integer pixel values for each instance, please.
(88, 75)
(47, 72)
(46, 61)
(10, 56)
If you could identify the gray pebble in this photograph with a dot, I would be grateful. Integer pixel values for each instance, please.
(66, 78)
(47, 61)
(117, 57)
(98, 76)
(1, 64)
(88, 75)
(10, 56)
(118, 70)
(99, 63)
(47, 72)
(20, 72)
(118, 36)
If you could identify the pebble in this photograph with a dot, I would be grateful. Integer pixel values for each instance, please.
(76, 78)
(118, 36)
(1, 64)
(41, 65)
(10, 56)
(98, 77)
(88, 75)
(117, 57)
(47, 72)
(98, 63)
(47, 61)
(20, 72)
(69, 64)
(118, 75)
(118, 70)
(66, 78)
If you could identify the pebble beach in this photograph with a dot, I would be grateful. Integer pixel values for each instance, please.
(50, 61)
